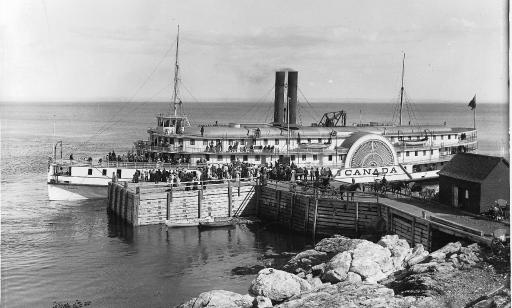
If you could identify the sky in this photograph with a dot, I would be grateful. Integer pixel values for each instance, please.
(124, 50)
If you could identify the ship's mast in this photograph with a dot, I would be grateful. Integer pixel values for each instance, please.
(402, 91)
(176, 76)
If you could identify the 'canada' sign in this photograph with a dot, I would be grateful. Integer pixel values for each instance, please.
(372, 171)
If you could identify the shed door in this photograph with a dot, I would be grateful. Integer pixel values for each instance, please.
(455, 194)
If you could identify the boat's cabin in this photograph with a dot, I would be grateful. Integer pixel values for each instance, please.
(172, 124)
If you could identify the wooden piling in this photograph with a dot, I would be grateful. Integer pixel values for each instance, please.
(257, 192)
(315, 218)
(292, 203)
(357, 217)
(230, 198)
(199, 199)
(169, 200)
(413, 229)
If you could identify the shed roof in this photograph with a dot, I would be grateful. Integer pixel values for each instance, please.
(471, 167)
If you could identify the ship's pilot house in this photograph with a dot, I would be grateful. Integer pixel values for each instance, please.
(171, 124)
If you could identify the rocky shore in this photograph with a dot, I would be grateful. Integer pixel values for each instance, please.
(344, 272)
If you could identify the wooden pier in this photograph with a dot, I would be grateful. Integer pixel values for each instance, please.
(148, 203)
(307, 212)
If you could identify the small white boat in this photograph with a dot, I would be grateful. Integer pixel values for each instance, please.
(181, 223)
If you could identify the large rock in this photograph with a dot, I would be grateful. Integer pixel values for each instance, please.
(371, 261)
(278, 285)
(449, 248)
(337, 268)
(399, 249)
(419, 254)
(423, 267)
(262, 302)
(219, 298)
(350, 295)
(336, 244)
(304, 260)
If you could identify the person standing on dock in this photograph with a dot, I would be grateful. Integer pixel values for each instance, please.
(202, 131)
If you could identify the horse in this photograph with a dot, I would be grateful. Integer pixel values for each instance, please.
(380, 186)
(396, 187)
(427, 193)
(349, 188)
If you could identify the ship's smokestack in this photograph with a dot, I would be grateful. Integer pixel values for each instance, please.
(292, 97)
(279, 98)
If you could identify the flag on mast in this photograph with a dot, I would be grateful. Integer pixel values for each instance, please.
(472, 103)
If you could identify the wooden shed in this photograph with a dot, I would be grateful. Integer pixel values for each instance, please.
(472, 182)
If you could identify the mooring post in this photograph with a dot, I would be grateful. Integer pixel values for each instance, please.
(230, 197)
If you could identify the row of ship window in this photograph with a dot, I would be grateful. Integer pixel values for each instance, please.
(292, 157)
(408, 153)
(276, 141)
(231, 141)
(442, 137)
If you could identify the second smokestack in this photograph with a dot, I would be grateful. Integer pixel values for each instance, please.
(292, 97)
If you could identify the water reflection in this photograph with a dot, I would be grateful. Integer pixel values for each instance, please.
(117, 227)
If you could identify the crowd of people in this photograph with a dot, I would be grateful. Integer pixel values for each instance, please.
(236, 170)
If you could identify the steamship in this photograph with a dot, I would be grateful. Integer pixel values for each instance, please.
(359, 153)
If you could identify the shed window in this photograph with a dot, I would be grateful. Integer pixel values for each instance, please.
(205, 142)
(265, 141)
(246, 158)
(257, 158)
(315, 157)
(407, 153)
(330, 157)
(319, 140)
(104, 172)
(449, 137)
(89, 171)
(219, 157)
(277, 141)
(192, 141)
(242, 141)
(293, 157)
(424, 152)
(303, 157)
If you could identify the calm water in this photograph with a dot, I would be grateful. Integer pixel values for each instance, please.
(63, 251)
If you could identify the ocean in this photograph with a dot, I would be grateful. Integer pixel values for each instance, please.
(66, 251)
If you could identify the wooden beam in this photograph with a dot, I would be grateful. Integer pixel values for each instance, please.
(315, 218)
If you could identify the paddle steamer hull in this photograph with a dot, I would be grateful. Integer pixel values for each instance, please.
(68, 192)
